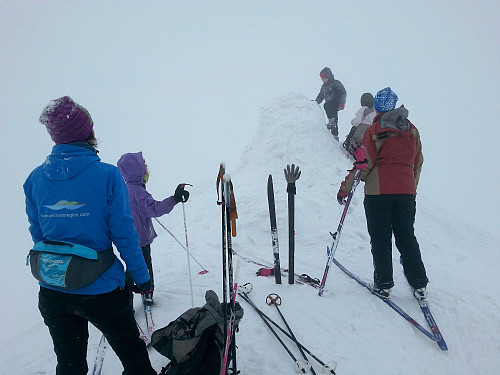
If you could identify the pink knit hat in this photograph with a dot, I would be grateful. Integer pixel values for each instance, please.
(66, 121)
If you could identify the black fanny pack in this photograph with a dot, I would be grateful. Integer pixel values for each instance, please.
(66, 265)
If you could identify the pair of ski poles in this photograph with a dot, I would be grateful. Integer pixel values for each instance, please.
(302, 366)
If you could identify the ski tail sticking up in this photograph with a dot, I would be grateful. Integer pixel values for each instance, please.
(274, 229)
(292, 174)
(336, 235)
(221, 202)
(229, 216)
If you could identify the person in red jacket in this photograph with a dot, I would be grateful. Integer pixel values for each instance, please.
(394, 161)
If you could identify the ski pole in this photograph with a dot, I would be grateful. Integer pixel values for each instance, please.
(302, 366)
(204, 271)
(274, 299)
(187, 247)
(328, 368)
(336, 235)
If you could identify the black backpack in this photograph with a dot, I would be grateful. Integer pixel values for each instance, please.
(194, 342)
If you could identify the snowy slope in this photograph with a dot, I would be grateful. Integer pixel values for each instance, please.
(347, 324)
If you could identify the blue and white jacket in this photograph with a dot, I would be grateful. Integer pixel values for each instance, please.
(74, 197)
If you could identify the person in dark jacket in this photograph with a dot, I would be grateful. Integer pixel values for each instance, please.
(334, 94)
(77, 205)
(394, 162)
(135, 172)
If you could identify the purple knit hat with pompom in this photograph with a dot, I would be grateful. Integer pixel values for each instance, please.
(66, 121)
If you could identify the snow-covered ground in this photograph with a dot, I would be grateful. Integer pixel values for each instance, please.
(347, 324)
(195, 83)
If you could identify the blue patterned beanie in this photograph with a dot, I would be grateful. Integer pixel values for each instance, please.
(385, 100)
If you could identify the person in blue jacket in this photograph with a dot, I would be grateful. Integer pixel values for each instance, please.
(74, 202)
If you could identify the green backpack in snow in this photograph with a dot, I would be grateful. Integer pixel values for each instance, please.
(194, 342)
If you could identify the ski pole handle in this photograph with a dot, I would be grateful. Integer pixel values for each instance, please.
(329, 368)
(245, 288)
(273, 299)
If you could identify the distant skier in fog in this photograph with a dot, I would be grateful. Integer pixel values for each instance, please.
(334, 94)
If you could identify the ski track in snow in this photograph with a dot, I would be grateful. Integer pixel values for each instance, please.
(347, 324)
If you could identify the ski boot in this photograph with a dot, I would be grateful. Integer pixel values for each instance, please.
(332, 126)
(379, 292)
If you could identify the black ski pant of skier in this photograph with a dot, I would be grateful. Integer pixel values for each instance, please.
(386, 215)
(146, 252)
(67, 317)
(332, 112)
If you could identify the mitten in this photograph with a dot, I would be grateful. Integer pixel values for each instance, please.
(181, 195)
(359, 153)
(341, 198)
(143, 288)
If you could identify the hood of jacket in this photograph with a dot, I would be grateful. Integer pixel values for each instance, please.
(68, 160)
(396, 119)
(328, 73)
(132, 167)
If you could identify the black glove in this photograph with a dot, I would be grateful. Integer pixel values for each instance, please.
(340, 199)
(143, 288)
(181, 195)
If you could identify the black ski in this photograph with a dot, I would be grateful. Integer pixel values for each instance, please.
(229, 216)
(274, 229)
(292, 174)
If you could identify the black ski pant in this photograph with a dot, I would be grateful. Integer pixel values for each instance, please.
(386, 215)
(332, 112)
(67, 317)
(332, 109)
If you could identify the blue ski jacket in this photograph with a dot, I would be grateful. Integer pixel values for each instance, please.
(74, 197)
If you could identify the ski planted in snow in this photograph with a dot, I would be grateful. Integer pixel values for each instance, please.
(274, 229)
(336, 235)
(292, 174)
(229, 216)
(393, 305)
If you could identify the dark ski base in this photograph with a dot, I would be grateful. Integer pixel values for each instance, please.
(274, 229)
